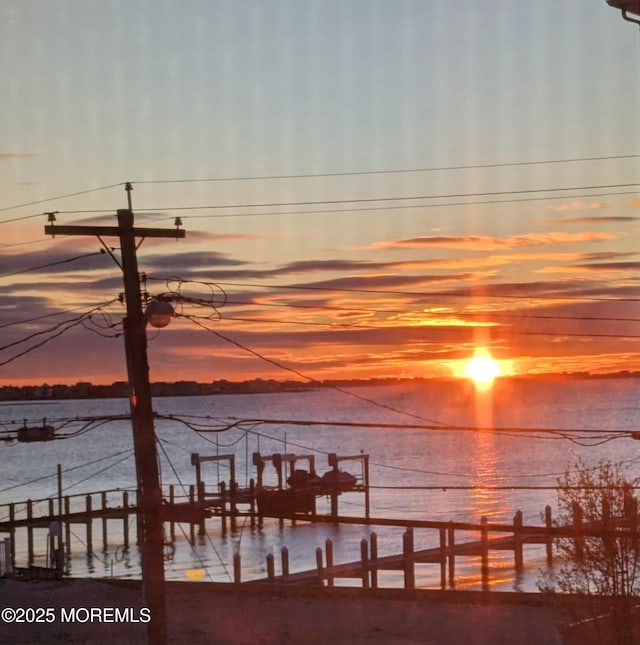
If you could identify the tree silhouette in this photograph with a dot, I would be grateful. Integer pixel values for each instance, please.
(606, 565)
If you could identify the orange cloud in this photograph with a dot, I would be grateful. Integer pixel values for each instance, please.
(576, 206)
(16, 155)
(490, 243)
(603, 266)
(611, 219)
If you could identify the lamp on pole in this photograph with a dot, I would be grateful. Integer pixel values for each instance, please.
(627, 7)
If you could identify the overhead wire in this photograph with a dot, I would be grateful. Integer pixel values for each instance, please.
(445, 487)
(305, 376)
(339, 174)
(316, 175)
(99, 472)
(234, 422)
(425, 316)
(52, 264)
(344, 210)
(50, 199)
(41, 332)
(585, 438)
(436, 329)
(184, 488)
(398, 198)
(25, 321)
(439, 329)
(66, 470)
(8, 246)
(453, 312)
(428, 294)
(54, 332)
(40, 344)
(231, 423)
(391, 171)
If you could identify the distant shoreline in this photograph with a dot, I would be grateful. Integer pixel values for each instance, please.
(120, 389)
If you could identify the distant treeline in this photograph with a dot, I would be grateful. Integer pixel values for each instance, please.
(120, 389)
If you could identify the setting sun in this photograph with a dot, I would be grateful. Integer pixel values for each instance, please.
(482, 369)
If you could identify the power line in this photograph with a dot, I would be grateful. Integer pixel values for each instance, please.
(445, 487)
(434, 328)
(560, 433)
(313, 175)
(240, 424)
(102, 470)
(388, 199)
(40, 333)
(440, 428)
(427, 294)
(184, 490)
(350, 210)
(8, 246)
(464, 314)
(50, 199)
(24, 321)
(388, 172)
(66, 326)
(66, 470)
(304, 376)
(337, 174)
(52, 264)
(78, 319)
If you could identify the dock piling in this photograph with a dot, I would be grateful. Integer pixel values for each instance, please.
(451, 548)
(125, 519)
(172, 524)
(407, 551)
(517, 543)
(88, 509)
(223, 506)
(252, 501)
(12, 533)
(67, 527)
(271, 572)
(319, 566)
(284, 554)
(103, 503)
(374, 560)
(329, 550)
(484, 552)
(577, 525)
(30, 531)
(236, 568)
(201, 497)
(192, 526)
(443, 558)
(548, 522)
(364, 559)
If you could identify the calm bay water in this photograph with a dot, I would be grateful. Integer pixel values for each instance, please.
(440, 465)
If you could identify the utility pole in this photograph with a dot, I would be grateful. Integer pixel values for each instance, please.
(144, 437)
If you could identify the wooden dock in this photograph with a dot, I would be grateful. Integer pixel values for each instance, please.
(513, 538)
(444, 555)
(226, 502)
(58, 516)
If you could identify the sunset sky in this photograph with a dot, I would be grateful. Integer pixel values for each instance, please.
(391, 185)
